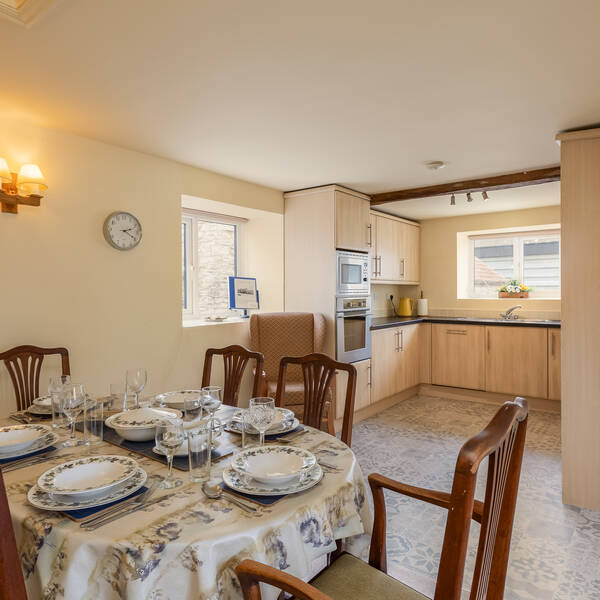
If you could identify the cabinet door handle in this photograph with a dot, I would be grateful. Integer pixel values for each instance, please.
(374, 259)
(379, 273)
(369, 375)
(488, 340)
(456, 331)
(397, 336)
(552, 336)
(370, 242)
(402, 342)
(403, 269)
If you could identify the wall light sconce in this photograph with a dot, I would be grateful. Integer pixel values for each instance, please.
(22, 188)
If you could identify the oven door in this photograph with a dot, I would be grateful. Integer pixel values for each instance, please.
(353, 336)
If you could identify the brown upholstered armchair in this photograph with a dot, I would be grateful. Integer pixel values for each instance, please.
(276, 335)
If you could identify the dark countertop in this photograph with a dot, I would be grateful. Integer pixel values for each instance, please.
(385, 322)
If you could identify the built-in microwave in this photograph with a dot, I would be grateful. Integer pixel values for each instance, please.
(352, 278)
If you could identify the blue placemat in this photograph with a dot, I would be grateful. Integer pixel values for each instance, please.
(84, 513)
(269, 437)
(7, 461)
(224, 448)
(264, 500)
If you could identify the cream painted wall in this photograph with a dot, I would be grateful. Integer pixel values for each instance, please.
(62, 284)
(438, 262)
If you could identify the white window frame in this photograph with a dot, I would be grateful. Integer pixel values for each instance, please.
(191, 218)
(466, 264)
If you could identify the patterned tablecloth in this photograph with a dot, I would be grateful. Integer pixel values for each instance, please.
(187, 546)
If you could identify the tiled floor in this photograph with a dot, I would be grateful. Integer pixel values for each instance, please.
(555, 552)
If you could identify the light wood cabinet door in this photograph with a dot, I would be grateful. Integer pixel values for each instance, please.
(425, 352)
(385, 378)
(387, 249)
(409, 355)
(410, 244)
(554, 365)
(362, 399)
(458, 355)
(352, 220)
(516, 360)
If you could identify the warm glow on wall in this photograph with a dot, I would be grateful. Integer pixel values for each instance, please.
(24, 188)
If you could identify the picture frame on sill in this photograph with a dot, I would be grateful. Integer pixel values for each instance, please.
(243, 294)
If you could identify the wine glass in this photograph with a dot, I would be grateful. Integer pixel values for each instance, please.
(73, 398)
(169, 437)
(55, 388)
(135, 381)
(261, 413)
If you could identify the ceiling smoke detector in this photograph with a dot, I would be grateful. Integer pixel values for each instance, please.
(435, 165)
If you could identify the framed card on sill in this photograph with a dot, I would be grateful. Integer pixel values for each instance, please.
(243, 293)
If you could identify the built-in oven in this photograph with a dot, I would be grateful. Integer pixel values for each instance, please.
(353, 328)
(353, 274)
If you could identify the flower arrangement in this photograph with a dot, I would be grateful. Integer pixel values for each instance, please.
(514, 289)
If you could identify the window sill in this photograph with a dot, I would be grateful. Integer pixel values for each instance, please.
(203, 323)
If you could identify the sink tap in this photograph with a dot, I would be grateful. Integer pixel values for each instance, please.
(509, 313)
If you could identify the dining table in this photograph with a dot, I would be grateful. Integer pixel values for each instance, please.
(186, 546)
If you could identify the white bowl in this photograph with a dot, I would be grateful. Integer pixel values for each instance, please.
(139, 425)
(177, 399)
(18, 437)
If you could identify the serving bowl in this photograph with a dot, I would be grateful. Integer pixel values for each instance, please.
(139, 425)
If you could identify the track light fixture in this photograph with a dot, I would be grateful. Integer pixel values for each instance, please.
(469, 197)
(452, 200)
(485, 196)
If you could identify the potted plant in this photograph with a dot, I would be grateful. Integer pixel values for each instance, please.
(514, 289)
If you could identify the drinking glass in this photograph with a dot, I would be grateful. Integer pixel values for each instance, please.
(55, 388)
(136, 380)
(73, 399)
(169, 436)
(93, 422)
(118, 397)
(211, 400)
(261, 413)
(199, 451)
(192, 407)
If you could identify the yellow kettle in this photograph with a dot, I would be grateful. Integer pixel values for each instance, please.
(405, 307)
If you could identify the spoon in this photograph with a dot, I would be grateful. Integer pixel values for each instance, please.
(215, 492)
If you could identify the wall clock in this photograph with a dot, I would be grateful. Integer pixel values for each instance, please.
(122, 230)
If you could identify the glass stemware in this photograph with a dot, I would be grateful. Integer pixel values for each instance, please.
(261, 413)
(55, 388)
(211, 401)
(73, 399)
(169, 437)
(135, 381)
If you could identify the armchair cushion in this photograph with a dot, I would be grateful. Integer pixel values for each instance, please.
(349, 578)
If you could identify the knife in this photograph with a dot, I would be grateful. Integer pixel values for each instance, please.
(130, 510)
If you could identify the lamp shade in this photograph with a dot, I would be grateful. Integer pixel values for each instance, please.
(4, 170)
(31, 180)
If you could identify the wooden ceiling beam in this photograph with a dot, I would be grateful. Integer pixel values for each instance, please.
(498, 182)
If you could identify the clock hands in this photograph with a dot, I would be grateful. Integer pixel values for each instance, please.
(127, 232)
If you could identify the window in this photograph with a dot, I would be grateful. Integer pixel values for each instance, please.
(209, 250)
(491, 259)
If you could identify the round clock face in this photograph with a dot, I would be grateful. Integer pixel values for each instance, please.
(122, 230)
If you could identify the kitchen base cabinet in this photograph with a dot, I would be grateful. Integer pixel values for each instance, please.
(554, 374)
(362, 399)
(516, 360)
(458, 355)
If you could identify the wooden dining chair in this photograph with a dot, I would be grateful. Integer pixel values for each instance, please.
(235, 360)
(349, 578)
(318, 372)
(24, 364)
(12, 584)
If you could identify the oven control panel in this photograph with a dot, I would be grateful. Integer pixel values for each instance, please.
(357, 303)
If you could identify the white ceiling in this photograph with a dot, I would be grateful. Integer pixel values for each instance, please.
(533, 196)
(296, 94)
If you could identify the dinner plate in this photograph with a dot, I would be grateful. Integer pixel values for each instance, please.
(283, 420)
(40, 444)
(239, 483)
(250, 430)
(44, 402)
(45, 501)
(35, 409)
(273, 465)
(177, 399)
(88, 475)
(19, 437)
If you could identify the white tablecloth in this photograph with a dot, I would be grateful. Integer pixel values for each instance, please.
(187, 546)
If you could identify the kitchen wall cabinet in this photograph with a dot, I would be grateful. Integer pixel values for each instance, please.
(554, 375)
(362, 398)
(395, 249)
(516, 360)
(458, 355)
(395, 360)
(352, 222)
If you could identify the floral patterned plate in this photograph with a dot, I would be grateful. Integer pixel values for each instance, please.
(89, 475)
(45, 501)
(273, 465)
(236, 481)
(141, 418)
(177, 399)
(284, 419)
(44, 402)
(19, 437)
(40, 444)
